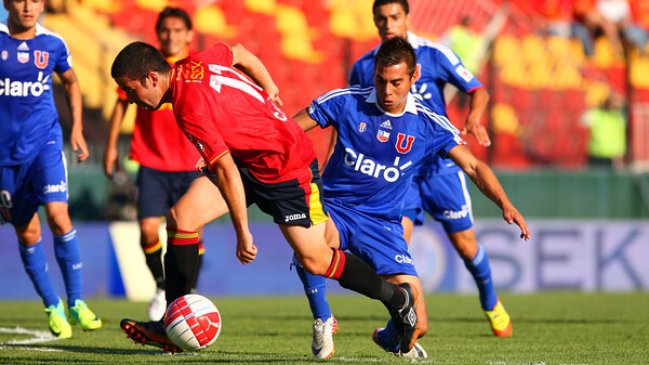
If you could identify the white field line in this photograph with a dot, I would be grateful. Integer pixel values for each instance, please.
(38, 337)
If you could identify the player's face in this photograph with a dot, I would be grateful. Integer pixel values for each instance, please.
(143, 93)
(391, 21)
(174, 37)
(392, 86)
(24, 14)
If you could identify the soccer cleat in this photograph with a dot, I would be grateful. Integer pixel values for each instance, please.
(417, 352)
(386, 341)
(405, 319)
(149, 333)
(58, 323)
(335, 325)
(80, 313)
(157, 306)
(391, 345)
(501, 324)
(323, 346)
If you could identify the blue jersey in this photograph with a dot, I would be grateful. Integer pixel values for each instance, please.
(27, 112)
(377, 153)
(439, 66)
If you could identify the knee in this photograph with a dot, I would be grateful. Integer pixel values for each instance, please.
(465, 244)
(171, 217)
(314, 266)
(59, 221)
(29, 237)
(149, 230)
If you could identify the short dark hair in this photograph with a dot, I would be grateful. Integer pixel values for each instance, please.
(403, 3)
(394, 51)
(170, 12)
(136, 61)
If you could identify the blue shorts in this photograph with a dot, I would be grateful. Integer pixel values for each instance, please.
(378, 242)
(23, 188)
(445, 197)
(157, 190)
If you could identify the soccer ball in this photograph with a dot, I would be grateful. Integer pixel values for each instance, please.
(192, 322)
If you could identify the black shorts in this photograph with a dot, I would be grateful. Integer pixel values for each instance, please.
(288, 202)
(157, 190)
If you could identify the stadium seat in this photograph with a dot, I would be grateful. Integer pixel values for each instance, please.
(352, 20)
(261, 6)
(152, 5)
(296, 35)
(210, 19)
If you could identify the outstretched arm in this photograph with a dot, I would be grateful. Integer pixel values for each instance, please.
(228, 180)
(252, 66)
(488, 183)
(73, 98)
(477, 107)
(304, 120)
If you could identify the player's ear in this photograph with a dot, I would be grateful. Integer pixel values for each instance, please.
(417, 74)
(189, 37)
(153, 77)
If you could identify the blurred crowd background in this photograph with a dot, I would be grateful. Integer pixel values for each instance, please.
(566, 78)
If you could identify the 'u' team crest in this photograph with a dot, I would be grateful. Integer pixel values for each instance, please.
(41, 59)
(400, 143)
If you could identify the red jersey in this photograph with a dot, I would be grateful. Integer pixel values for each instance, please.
(222, 111)
(158, 143)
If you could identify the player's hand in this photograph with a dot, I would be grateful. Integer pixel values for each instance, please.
(111, 161)
(478, 131)
(246, 249)
(200, 164)
(273, 92)
(79, 146)
(511, 215)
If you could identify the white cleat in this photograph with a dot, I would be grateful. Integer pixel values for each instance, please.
(322, 346)
(157, 306)
(417, 352)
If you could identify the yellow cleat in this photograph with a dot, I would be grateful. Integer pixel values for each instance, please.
(501, 324)
(59, 325)
(81, 314)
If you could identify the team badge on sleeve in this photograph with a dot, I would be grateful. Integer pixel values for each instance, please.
(464, 73)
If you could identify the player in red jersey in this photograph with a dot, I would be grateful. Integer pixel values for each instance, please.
(255, 154)
(167, 159)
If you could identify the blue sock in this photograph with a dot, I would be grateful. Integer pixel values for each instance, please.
(481, 272)
(35, 263)
(315, 288)
(68, 255)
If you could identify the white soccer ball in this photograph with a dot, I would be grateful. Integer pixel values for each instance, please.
(192, 322)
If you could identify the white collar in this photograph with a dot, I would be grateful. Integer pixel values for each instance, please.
(411, 106)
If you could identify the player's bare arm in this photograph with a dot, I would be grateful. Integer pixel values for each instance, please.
(478, 105)
(252, 66)
(488, 183)
(304, 120)
(111, 157)
(228, 180)
(73, 98)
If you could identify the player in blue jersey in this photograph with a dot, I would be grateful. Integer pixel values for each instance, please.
(384, 135)
(441, 188)
(32, 163)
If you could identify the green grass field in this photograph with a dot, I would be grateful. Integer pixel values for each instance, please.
(549, 329)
